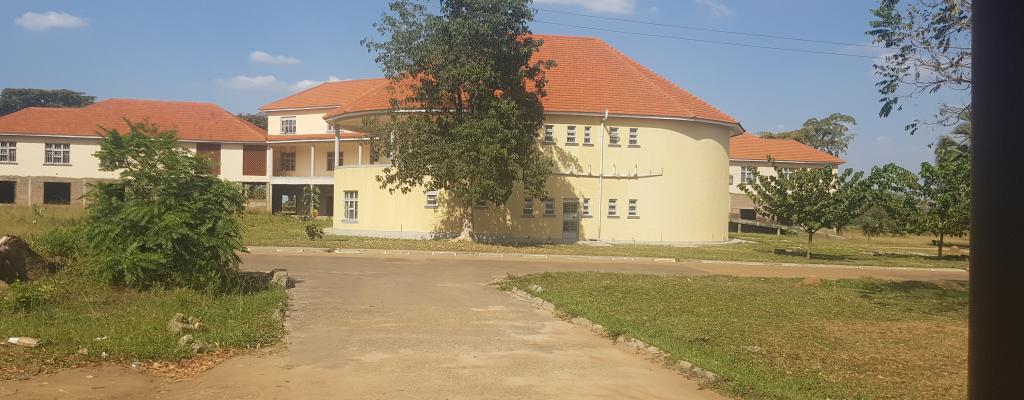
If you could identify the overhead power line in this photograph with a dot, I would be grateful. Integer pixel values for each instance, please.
(694, 28)
(756, 46)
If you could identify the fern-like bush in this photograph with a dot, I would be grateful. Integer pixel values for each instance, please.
(168, 221)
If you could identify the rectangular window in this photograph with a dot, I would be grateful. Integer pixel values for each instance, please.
(549, 133)
(632, 210)
(432, 199)
(613, 137)
(786, 172)
(586, 207)
(351, 205)
(56, 193)
(747, 174)
(549, 207)
(58, 153)
(634, 137)
(287, 125)
(7, 191)
(613, 207)
(8, 152)
(586, 135)
(731, 179)
(570, 135)
(288, 161)
(330, 161)
(528, 206)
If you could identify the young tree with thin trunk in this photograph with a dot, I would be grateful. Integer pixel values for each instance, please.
(468, 74)
(811, 199)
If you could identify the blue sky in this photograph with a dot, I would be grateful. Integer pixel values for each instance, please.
(244, 54)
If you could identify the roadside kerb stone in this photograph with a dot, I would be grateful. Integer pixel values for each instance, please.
(656, 354)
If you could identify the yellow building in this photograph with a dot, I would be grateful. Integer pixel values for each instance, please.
(638, 158)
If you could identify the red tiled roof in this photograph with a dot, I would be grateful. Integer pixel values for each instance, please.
(192, 121)
(315, 136)
(750, 147)
(591, 77)
(328, 94)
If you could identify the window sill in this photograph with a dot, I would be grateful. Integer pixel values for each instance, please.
(633, 217)
(587, 216)
(588, 144)
(549, 215)
(634, 146)
(9, 162)
(528, 215)
(614, 145)
(571, 144)
(56, 165)
(613, 217)
(430, 207)
(350, 221)
(549, 143)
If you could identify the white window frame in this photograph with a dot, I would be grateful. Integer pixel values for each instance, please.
(57, 154)
(431, 199)
(528, 206)
(585, 210)
(570, 135)
(8, 152)
(586, 135)
(634, 137)
(633, 208)
(330, 161)
(549, 207)
(288, 125)
(288, 161)
(613, 137)
(786, 171)
(351, 205)
(747, 174)
(549, 133)
(613, 208)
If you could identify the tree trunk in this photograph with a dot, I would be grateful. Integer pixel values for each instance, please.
(941, 239)
(467, 234)
(810, 239)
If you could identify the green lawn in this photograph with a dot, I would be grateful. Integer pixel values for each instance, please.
(70, 312)
(847, 339)
(853, 249)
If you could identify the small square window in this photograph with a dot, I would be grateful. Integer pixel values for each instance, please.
(613, 137)
(287, 125)
(528, 206)
(570, 135)
(613, 207)
(8, 152)
(786, 172)
(632, 210)
(549, 207)
(747, 174)
(586, 207)
(57, 154)
(432, 199)
(549, 133)
(288, 161)
(634, 137)
(586, 135)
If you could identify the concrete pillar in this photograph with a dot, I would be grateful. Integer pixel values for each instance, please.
(312, 159)
(337, 147)
(360, 154)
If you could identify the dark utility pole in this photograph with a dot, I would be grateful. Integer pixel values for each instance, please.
(996, 339)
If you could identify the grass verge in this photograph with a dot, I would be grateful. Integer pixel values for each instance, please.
(781, 339)
(70, 313)
(853, 249)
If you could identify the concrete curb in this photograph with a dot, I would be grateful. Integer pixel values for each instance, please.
(683, 367)
(519, 256)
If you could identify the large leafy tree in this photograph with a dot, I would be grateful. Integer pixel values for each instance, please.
(811, 199)
(12, 100)
(957, 143)
(259, 119)
(931, 44)
(468, 70)
(830, 134)
(167, 221)
(935, 201)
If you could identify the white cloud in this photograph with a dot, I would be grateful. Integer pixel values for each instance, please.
(244, 82)
(267, 58)
(598, 6)
(717, 8)
(270, 83)
(49, 20)
(883, 140)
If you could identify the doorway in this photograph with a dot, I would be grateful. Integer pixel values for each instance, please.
(571, 220)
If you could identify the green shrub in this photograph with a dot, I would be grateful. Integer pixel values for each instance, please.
(314, 231)
(169, 221)
(25, 296)
(62, 246)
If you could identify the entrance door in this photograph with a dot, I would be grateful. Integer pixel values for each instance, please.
(571, 220)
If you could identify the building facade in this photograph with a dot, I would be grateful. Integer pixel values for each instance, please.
(638, 159)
